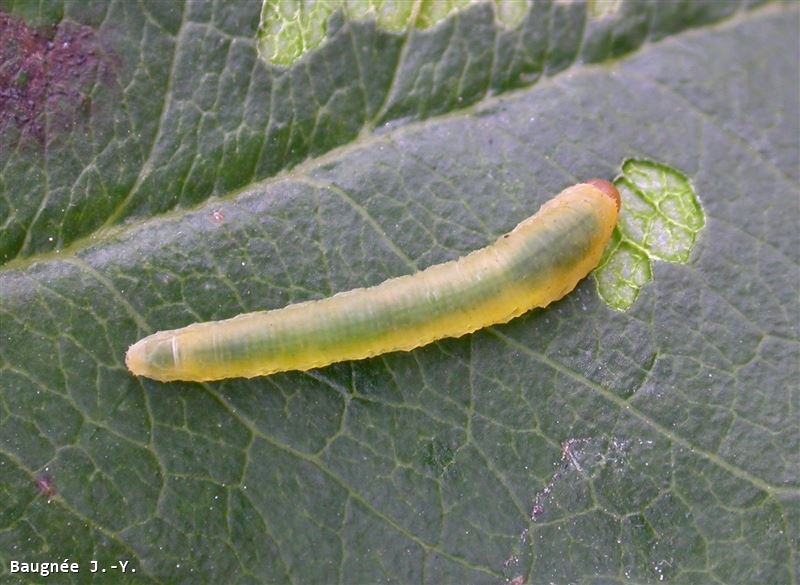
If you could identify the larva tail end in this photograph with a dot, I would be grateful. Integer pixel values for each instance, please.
(135, 359)
(608, 188)
(154, 357)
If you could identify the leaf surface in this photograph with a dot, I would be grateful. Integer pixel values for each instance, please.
(180, 178)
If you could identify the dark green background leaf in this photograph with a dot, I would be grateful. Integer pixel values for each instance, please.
(179, 179)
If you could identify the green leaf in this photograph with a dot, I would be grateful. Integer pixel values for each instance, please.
(659, 220)
(155, 171)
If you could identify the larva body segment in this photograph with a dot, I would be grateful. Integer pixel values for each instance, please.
(538, 262)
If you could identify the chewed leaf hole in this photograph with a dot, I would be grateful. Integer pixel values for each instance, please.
(660, 219)
(288, 30)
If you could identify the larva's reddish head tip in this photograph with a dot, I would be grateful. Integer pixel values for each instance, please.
(606, 187)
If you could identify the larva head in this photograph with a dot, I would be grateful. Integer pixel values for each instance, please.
(608, 188)
(151, 356)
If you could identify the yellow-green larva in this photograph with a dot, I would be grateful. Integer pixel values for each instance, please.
(538, 262)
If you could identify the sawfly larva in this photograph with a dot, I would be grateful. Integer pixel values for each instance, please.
(538, 262)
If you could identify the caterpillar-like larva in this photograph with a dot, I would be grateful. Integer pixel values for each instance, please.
(538, 262)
